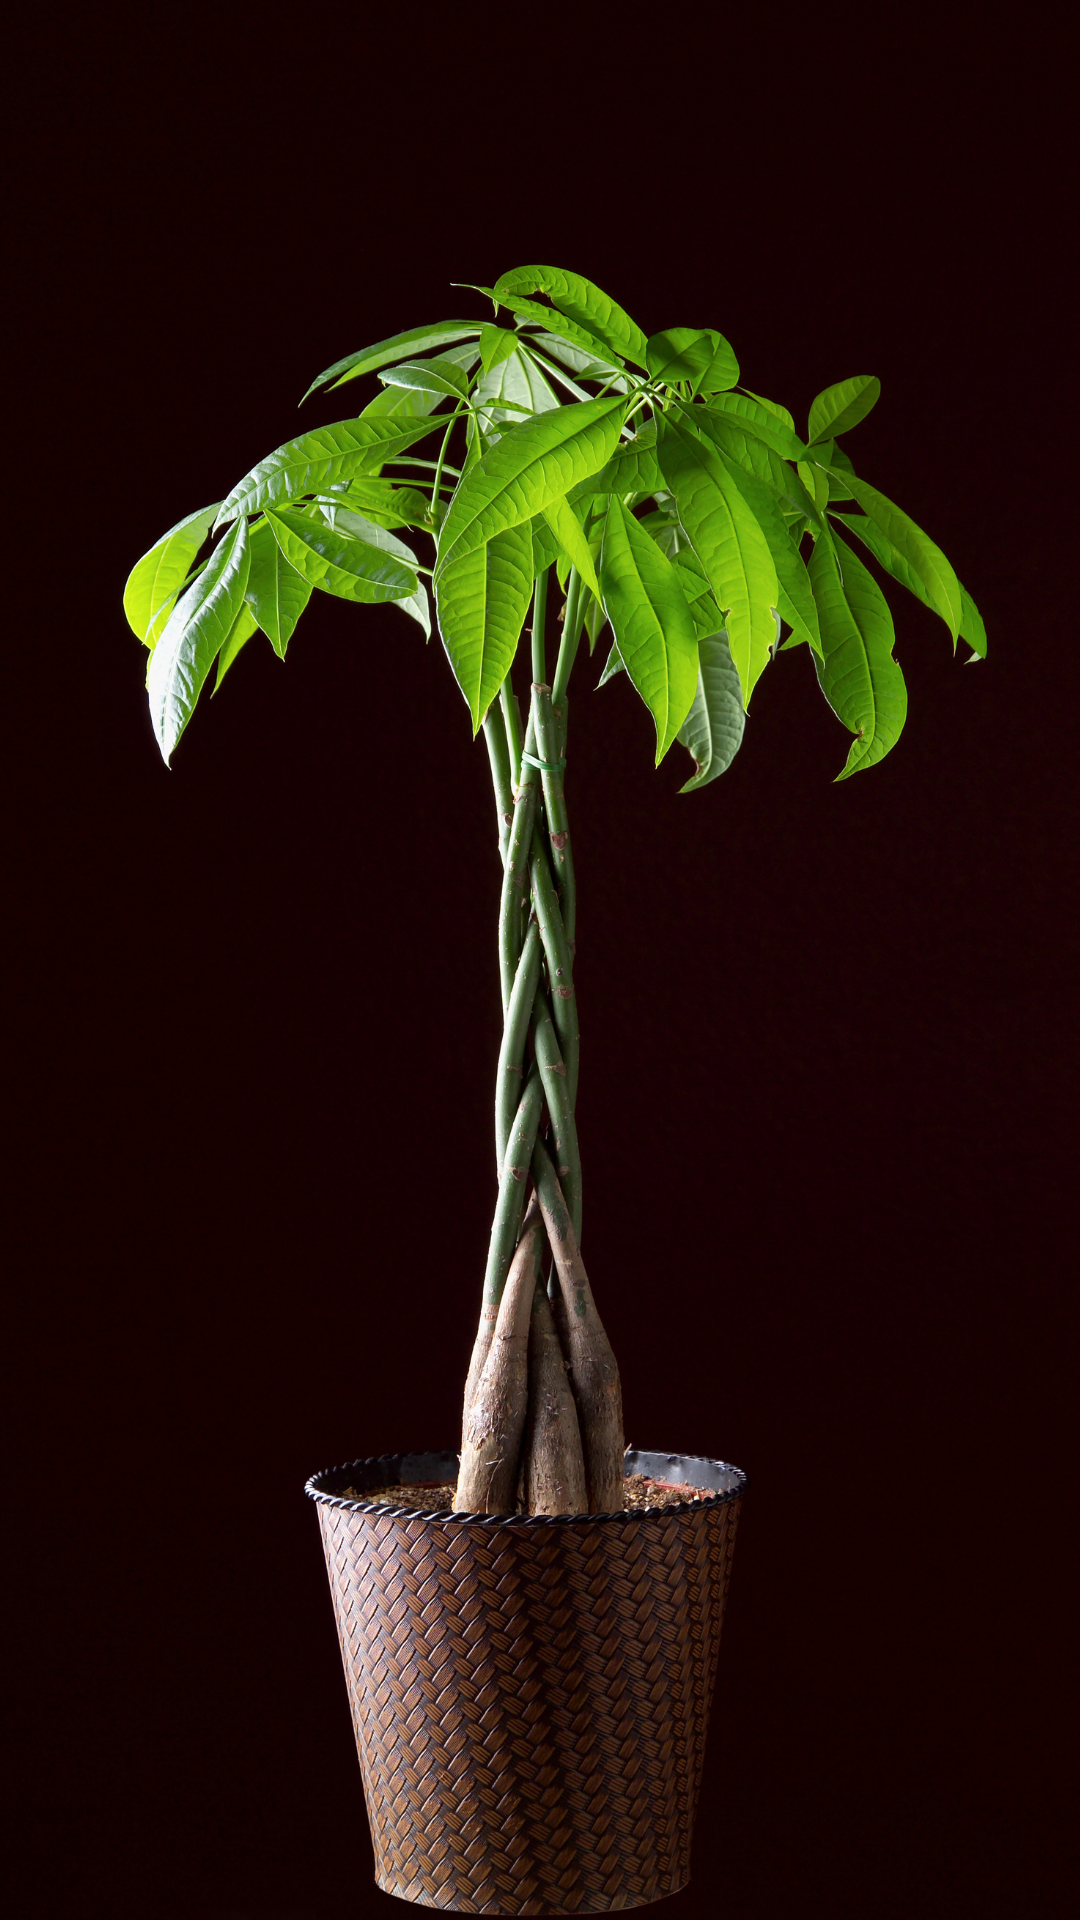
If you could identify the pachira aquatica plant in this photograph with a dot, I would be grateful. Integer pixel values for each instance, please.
(667, 503)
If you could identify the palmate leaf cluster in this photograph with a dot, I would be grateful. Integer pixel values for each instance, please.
(681, 511)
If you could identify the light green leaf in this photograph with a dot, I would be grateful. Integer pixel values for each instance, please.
(568, 531)
(482, 596)
(774, 407)
(239, 634)
(758, 420)
(743, 446)
(816, 482)
(971, 627)
(581, 302)
(513, 391)
(340, 564)
(193, 636)
(155, 580)
(312, 462)
(427, 376)
(530, 466)
(416, 401)
(358, 527)
(713, 729)
(580, 360)
(699, 595)
(416, 605)
(730, 545)
(923, 557)
(276, 593)
(495, 344)
(723, 372)
(859, 677)
(841, 407)
(683, 354)
(415, 340)
(612, 666)
(550, 319)
(796, 599)
(651, 622)
(633, 467)
(384, 502)
(838, 464)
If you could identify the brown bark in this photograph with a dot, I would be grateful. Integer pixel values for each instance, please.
(495, 1417)
(481, 1347)
(554, 1461)
(594, 1375)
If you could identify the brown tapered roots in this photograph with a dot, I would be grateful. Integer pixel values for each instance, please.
(542, 1421)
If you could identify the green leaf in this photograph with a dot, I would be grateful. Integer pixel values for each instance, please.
(551, 319)
(239, 634)
(385, 502)
(728, 542)
(612, 666)
(495, 344)
(427, 376)
(796, 598)
(193, 636)
(651, 622)
(512, 392)
(156, 579)
(743, 446)
(774, 407)
(759, 420)
(842, 407)
(415, 340)
(713, 729)
(482, 596)
(682, 354)
(581, 302)
(633, 467)
(923, 557)
(971, 627)
(580, 360)
(276, 593)
(530, 466)
(859, 677)
(420, 400)
(335, 560)
(568, 531)
(838, 464)
(315, 460)
(700, 598)
(416, 605)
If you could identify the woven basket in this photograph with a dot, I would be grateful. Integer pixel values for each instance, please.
(530, 1695)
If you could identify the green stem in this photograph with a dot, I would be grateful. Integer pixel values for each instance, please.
(403, 460)
(573, 620)
(562, 860)
(564, 1139)
(436, 503)
(512, 724)
(559, 961)
(539, 617)
(515, 1033)
(510, 1206)
(515, 885)
(495, 738)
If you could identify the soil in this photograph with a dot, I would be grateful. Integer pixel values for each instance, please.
(434, 1497)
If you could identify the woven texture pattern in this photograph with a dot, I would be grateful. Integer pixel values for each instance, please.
(530, 1703)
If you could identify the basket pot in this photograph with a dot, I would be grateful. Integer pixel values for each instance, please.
(530, 1694)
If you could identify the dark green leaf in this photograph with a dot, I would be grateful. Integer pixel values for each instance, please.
(713, 729)
(774, 407)
(482, 596)
(155, 581)
(581, 302)
(414, 340)
(192, 637)
(859, 677)
(759, 420)
(729, 543)
(276, 593)
(612, 666)
(841, 407)
(530, 466)
(683, 354)
(337, 561)
(239, 634)
(315, 460)
(651, 622)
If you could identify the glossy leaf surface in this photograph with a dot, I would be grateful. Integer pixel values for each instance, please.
(582, 302)
(398, 347)
(633, 467)
(193, 636)
(730, 545)
(758, 420)
(530, 466)
(276, 594)
(859, 677)
(339, 563)
(841, 407)
(513, 391)
(239, 634)
(385, 502)
(314, 460)
(495, 344)
(971, 628)
(570, 535)
(681, 354)
(796, 598)
(651, 622)
(584, 361)
(713, 729)
(428, 376)
(916, 547)
(156, 579)
(418, 608)
(482, 596)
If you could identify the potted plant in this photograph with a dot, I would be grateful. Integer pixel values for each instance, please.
(529, 1625)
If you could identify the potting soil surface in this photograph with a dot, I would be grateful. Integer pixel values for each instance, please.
(639, 1492)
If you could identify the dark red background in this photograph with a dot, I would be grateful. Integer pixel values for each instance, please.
(828, 1183)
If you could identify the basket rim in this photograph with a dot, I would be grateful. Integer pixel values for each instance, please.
(707, 1501)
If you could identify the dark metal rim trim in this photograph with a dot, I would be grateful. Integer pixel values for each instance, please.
(706, 1500)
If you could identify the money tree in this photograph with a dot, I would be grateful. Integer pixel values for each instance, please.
(552, 475)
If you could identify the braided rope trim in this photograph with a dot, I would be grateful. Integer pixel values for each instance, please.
(707, 1498)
